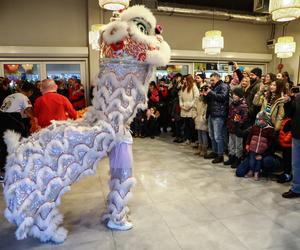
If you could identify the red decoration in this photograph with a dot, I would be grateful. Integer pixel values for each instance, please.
(117, 46)
(11, 68)
(280, 67)
(126, 49)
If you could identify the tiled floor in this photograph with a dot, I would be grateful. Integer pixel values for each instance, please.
(180, 202)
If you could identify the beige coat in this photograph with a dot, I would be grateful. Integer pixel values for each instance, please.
(188, 100)
(277, 109)
(200, 119)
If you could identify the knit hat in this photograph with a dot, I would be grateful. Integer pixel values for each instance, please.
(48, 86)
(257, 72)
(238, 92)
(262, 115)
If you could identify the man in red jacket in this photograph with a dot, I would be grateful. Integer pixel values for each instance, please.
(52, 106)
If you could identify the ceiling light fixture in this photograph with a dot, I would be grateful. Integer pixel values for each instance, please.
(285, 47)
(114, 4)
(284, 10)
(213, 41)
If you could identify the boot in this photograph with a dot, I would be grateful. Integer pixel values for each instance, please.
(230, 161)
(199, 151)
(236, 163)
(218, 159)
(211, 155)
(204, 151)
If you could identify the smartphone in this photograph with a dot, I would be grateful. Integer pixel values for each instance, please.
(295, 90)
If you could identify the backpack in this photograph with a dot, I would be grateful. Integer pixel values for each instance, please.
(285, 133)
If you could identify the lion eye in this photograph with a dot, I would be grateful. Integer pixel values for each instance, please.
(141, 26)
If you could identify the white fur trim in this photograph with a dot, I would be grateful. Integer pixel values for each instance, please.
(115, 32)
(12, 140)
(159, 57)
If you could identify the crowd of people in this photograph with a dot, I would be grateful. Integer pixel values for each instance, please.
(30, 107)
(251, 117)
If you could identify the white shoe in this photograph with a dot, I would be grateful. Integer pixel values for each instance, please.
(124, 226)
(187, 142)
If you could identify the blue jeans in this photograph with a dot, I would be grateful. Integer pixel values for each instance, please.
(255, 165)
(216, 134)
(268, 164)
(202, 138)
(296, 165)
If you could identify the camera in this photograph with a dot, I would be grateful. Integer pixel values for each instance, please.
(204, 88)
(295, 90)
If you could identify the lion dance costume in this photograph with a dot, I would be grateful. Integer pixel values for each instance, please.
(41, 168)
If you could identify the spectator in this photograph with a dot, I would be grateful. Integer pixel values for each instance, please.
(273, 102)
(151, 124)
(286, 78)
(285, 139)
(4, 89)
(279, 76)
(255, 82)
(217, 99)
(61, 88)
(14, 109)
(228, 79)
(199, 81)
(36, 92)
(52, 106)
(259, 143)
(269, 78)
(187, 101)
(76, 94)
(176, 121)
(295, 188)
(138, 123)
(237, 120)
(163, 105)
(153, 95)
(201, 122)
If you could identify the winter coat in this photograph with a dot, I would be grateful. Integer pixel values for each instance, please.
(261, 140)
(239, 108)
(153, 97)
(249, 95)
(188, 100)
(218, 100)
(277, 108)
(77, 97)
(296, 118)
(200, 119)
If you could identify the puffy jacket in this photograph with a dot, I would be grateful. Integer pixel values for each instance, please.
(218, 100)
(261, 140)
(237, 108)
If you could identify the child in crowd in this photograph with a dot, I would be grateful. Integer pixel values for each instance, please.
(260, 140)
(201, 124)
(237, 121)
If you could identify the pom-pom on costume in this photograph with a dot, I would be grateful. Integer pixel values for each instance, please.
(41, 168)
